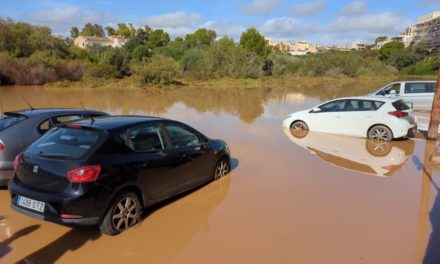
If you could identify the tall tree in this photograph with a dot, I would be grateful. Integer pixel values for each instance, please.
(123, 30)
(110, 31)
(252, 40)
(90, 29)
(74, 32)
(158, 38)
(390, 50)
(202, 36)
(380, 39)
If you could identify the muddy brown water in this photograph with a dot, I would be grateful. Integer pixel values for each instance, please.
(307, 198)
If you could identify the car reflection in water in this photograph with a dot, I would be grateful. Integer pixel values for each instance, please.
(374, 157)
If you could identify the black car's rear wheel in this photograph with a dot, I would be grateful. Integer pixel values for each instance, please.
(221, 169)
(125, 212)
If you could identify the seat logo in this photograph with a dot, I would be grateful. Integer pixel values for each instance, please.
(35, 169)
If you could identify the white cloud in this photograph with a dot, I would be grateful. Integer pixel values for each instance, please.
(307, 9)
(381, 23)
(357, 7)
(62, 19)
(172, 20)
(287, 27)
(225, 28)
(260, 7)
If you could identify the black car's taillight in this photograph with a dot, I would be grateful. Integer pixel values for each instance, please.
(84, 174)
(17, 161)
(2, 147)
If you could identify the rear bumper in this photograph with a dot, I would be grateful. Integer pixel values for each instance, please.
(78, 221)
(5, 176)
(57, 204)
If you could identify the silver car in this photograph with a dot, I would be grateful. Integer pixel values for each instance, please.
(18, 129)
(419, 93)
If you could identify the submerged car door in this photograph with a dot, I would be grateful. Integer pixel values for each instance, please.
(329, 117)
(150, 161)
(194, 156)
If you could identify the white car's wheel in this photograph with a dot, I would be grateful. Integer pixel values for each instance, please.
(380, 132)
(299, 129)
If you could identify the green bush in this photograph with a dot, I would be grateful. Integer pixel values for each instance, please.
(156, 70)
(100, 71)
(140, 52)
(428, 66)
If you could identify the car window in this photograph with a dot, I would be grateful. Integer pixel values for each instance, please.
(45, 126)
(10, 120)
(334, 106)
(387, 90)
(401, 105)
(66, 118)
(181, 136)
(146, 138)
(65, 143)
(363, 105)
(419, 88)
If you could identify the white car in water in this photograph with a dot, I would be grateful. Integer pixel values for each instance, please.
(419, 93)
(372, 117)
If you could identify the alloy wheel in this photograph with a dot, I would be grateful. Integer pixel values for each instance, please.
(380, 133)
(126, 213)
(299, 126)
(222, 169)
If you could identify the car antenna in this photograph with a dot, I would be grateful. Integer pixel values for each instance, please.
(87, 113)
(24, 99)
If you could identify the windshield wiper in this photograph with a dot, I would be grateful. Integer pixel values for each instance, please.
(55, 155)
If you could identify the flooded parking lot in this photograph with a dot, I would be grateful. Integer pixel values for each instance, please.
(309, 198)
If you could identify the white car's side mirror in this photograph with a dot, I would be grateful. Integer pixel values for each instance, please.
(316, 110)
(393, 92)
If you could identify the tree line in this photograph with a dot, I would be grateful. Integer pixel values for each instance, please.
(31, 54)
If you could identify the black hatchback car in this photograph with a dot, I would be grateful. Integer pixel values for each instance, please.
(18, 129)
(105, 171)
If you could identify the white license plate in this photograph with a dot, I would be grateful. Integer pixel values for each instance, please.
(31, 204)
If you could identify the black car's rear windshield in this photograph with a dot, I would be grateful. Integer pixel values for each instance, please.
(9, 120)
(401, 105)
(65, 143)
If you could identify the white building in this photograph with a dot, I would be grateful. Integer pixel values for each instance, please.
(88, 41)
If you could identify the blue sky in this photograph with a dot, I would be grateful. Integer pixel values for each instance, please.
(320, 21)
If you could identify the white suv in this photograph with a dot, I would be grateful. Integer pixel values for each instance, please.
(419, 93)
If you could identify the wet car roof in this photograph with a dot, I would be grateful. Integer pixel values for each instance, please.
(115, 122)
(50, 111)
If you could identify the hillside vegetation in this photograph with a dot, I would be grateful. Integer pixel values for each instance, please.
(32, 55)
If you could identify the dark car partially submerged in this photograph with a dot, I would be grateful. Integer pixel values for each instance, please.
(104, 172)
(18, 129)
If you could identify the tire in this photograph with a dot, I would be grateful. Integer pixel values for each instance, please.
(221, 168)
(124, 212)
(380, 132)
(299, 129)
(378, 148)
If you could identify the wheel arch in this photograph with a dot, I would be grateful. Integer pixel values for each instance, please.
(130, 188)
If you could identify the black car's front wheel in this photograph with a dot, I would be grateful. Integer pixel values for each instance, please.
(221, 169)
(125, 212)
